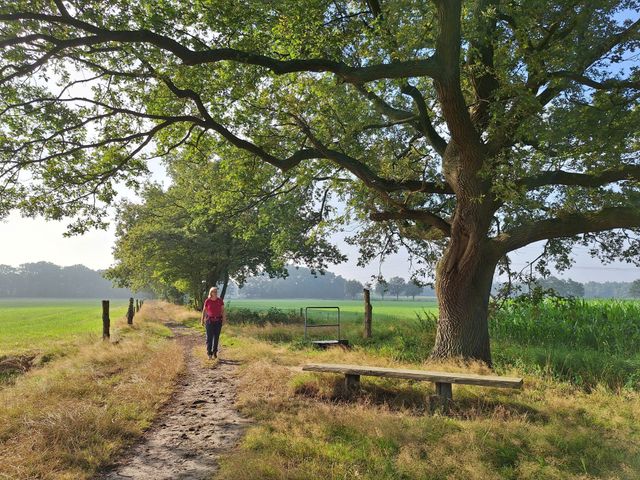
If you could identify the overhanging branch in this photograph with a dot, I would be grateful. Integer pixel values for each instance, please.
(417, 215)
(368, 176)
(608, 84)
(569, 225)
(560, 177)
(402, 69)
(437, 142)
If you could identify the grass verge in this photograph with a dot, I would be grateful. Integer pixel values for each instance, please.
(71, 416)
(308, 427)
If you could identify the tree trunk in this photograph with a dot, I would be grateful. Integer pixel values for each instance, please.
(463, 302)
(225, 285)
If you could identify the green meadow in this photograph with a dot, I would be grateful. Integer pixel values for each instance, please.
(349, 309)
(40, 325)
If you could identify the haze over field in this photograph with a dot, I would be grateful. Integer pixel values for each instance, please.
(27, 240)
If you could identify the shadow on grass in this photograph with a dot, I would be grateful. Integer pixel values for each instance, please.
(418, 401)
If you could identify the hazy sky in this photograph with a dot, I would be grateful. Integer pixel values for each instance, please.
(32, 240)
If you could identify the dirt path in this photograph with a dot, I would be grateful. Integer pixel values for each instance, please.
(198, 424)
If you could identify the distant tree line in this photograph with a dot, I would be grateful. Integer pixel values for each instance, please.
(301, 283)
(45, 279)
(571, 288)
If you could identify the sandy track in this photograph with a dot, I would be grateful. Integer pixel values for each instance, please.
(198, 424)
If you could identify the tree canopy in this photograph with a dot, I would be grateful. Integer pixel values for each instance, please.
(201, 232)
(463, 130)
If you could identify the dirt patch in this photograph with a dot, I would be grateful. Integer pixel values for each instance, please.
(197, 425)
(14, 366)
(17, 364)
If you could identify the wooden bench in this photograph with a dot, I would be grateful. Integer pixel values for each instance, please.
(443, 380)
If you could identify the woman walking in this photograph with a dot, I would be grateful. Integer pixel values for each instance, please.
(213, 315)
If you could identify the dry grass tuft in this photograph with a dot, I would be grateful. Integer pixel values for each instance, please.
(67, 419)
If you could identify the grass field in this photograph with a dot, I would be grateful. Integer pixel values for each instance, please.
(69, 415)
(39, 325)
(576, 417)
(349, 309)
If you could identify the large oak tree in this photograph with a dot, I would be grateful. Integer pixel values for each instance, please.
(465, 130)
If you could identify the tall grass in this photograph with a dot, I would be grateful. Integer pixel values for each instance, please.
(307, 427)
(583, 341)
(611, 326)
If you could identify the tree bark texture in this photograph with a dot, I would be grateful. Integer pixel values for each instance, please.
(465, 272)
(463, 301)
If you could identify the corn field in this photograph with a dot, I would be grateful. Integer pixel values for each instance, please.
(611, 326)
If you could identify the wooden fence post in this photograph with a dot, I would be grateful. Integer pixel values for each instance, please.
(105, 320)
(368, 309)
(130, 312)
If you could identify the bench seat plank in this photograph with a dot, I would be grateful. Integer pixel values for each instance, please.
(424, 375)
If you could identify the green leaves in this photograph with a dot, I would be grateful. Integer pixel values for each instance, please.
(88, 94)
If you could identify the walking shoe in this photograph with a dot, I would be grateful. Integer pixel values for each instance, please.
(215, 354)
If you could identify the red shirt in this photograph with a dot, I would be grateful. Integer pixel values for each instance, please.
(213, 308)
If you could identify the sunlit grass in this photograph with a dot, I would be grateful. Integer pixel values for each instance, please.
(576, 417)
(43, 325)
(349, 309)
(308, 427)
(71, 416)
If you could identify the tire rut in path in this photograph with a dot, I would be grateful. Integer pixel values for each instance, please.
(197, 425)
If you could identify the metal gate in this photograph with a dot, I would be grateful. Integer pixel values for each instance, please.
(307, 325)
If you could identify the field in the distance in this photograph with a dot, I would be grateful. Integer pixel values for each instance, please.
(349, 309)
(35, 325)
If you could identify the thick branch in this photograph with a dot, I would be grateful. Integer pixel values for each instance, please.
(485, 81)
(560, 177)
(437, 142)
(608, 84)
(418, 215)
(593, 54)
(569, 225)
(374, 6)
(447, 83)
(368, 177)
(410, 68)
(384, 108)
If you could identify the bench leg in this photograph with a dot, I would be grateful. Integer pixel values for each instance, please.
(352, 382)
(444, 390)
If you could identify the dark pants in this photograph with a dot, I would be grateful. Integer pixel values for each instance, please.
(213, 335)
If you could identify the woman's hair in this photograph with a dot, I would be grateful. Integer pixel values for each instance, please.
(212, 289)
